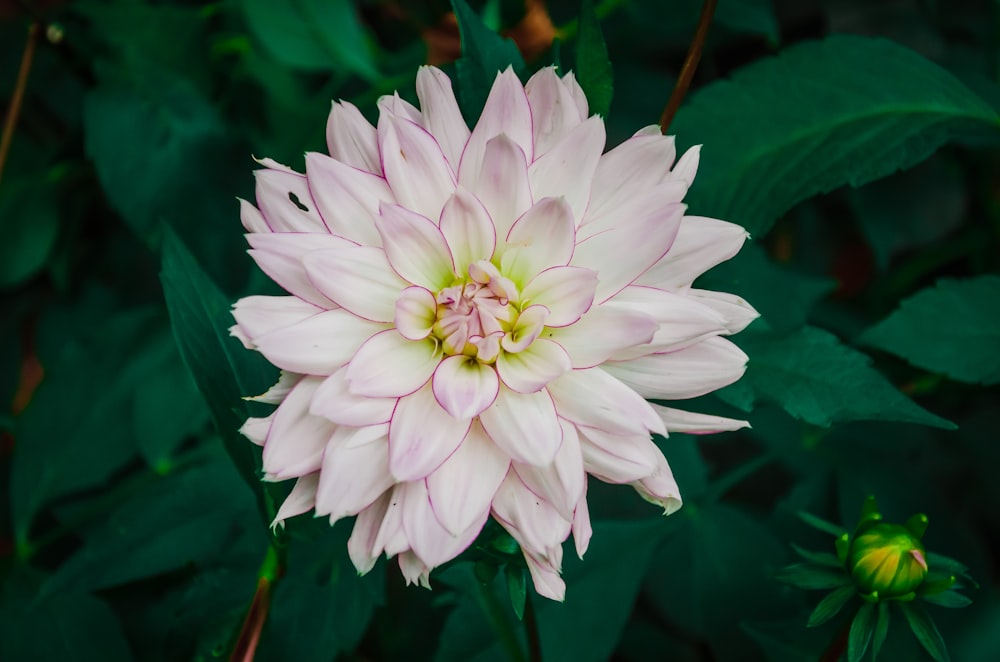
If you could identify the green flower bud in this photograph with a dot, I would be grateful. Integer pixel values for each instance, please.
(887, 561)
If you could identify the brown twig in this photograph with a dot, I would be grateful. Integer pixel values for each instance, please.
(253, 624)
(531, 629)
(18, 98)
(690, 65)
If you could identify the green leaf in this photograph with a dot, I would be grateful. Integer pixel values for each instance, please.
(484, 53)
(949, 599)
(830, 605)
(861, 631)
(315, 35)
(925, 631)
(881, 628)
(820, 558)
(844, 110)
(223, 369)
(593, 68)
(813, 576)
(29, 224)
(517, 590)
(953, 328)
(821, 524)
(750, 17)
(819, 380)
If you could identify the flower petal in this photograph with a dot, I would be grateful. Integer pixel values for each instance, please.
(553, 110)
(687, 166)
(701, 243)
(347, 198)
(285, 201)
(361, 546)
(563, 482)
(660, 488)
(416, 249)
(358, 278)
(416, 312)
(464, 387)
(543, 237)
(350, 138)
(422, 436)
(252, 219)
(257, 315)
(545, 578)
(501, 184)
(582, 530)
(628, 170)
(335, 402)
(603, 332)
(568, 168)
(736, 313)
(595, 399)
(616, 458)
(468, 229)
(389, 366)
(462, 488)
(355, 471)
(678, 420)
(415, 168)
(414, 570)
(530, 519)
(567, 292)
(531, 369)
(301, 499)
(686, 373)
(256, 429)
(430, 541)
(319, 344)
(276, 394)
(524, 425)
(280, 257)
(506, 112)
(295, 443)
(441, 114)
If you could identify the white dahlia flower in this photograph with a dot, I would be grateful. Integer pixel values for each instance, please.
(476, 320)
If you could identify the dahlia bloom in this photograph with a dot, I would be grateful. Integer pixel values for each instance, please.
(476, 319)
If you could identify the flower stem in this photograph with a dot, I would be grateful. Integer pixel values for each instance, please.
(690, 65)
(531, 630)
(253, 624)
(837, 647)
(18, 97)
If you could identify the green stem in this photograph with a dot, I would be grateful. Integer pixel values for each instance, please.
(531, 630)
(501, 625)
(730, 480)
(253, 625)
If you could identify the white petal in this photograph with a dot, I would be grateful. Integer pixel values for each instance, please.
(735, 311)
(701, 243)
(686, 373)
(468, 229)
(415, 168)
(687, 166)
(416, 312)
(351, 138)
(575, 91)
(358, 278)
(616, 458)
(682, 321)
(441, 114)
(568, 168)
(462, 488)
(256, 429)
(252, 219)
(355, 471)
(529, 518)
(524, 425)
(567, 292)
(348, 198)
(602, 332)
(276, 394)
(390, 366)
(301, 499)
(317, 345)
(416, 249)
(545, 578)
(678, 420)
(629, 170)
(429, 539)
(422, 436)
(543, 237)
(595, 399)
(464, 387)
(660, 488)
(280, 257)
(506, 113)
(335, 402)
(285, 201)
(563, 482)
(553, 110)
(257, 315)
(501, 184)
(361, 545)
(391, 538)
(295, 443)
(393, 104)
(530, 370)
(414, 570)
(582, 530)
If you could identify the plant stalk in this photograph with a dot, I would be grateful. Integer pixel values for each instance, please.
(690, 65)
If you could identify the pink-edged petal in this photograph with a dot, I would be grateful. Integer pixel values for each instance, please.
(543, 237)
(501, 184)
(416, 312)
(736, 313)
(687, 166)
(296, 440)
(428, 538)
(358, 278)
(285, 201)
(602, 332)
(361, 546)
(595, 399)
(701, 243)
(530, 370)
(389, 366)
(355, 471)
(317, 345)
(348, 198)
(394, 105)
(506, 113)
(350, 138)
(422, 436)
(563, 482)
(464, 387)
(577, 93)
(622, 253)
(616, 458)
(660, 488)
(553, 110)
(257, 315)
(335, 402)
(441, 114)
(276, 394)
(280, 257)
(568, 168)
(545, 578)
(530, 519)
(462, 488)
(414, 570)
(256, 429)
(528, 326)
(391, 538)
(628, 170)
(415, 168)
(686, 373)
(524, 425)
(300, 500)
(567, 292)
(252, 219)
(416, 249)
(682, 321)
(582, 531)
(468, 229)
(678, 420)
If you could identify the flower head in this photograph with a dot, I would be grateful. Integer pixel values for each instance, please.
(476, 319)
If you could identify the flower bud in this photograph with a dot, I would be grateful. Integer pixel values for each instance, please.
(887, 561)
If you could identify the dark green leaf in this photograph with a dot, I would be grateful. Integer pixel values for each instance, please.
(925, 631)
(821, 524)
(881, 628)
(953, 328)
(749, 16)
(844, 110)
(950, 599)
(29, 223)
(517, 590)
(819, 380)
(820, 558)
(484, 53)
(940, 563)
(593, 68)
(814, 576)
(861, 631)
(830, 605)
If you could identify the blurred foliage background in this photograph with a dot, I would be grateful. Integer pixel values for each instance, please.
(865, 166)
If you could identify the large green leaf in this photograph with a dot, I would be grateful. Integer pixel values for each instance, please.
(593, 68)
(844, 110)
(29, 223)
(819, 380)
(953, 327)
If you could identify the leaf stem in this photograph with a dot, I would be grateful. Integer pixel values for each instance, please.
(837, 647)
(531, 630)
(17, 99)
(729, 480)
(690, 65)
(246, 644)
